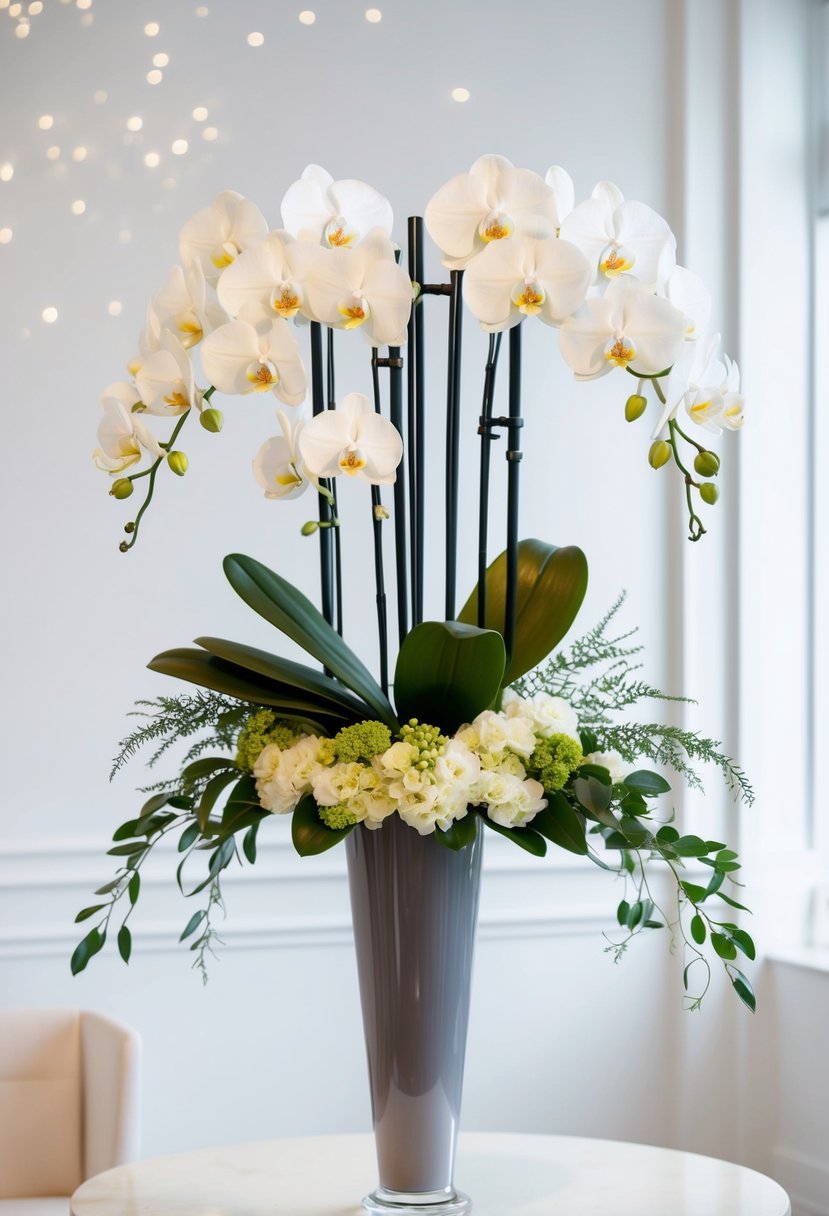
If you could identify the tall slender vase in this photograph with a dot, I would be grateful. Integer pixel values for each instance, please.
(414, 905)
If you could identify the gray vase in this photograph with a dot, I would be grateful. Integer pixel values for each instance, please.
(414, 906)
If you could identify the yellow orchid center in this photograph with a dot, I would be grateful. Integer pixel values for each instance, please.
(351, 461)
(224, 254)
(262, 375)
(338, 235)
(616, 260)
(734, 414)
(620, 352)
(177, 399)
(189, 330)
(528, 297)
(496, 227)
(289, 479)
(286, 300)
(354, 311)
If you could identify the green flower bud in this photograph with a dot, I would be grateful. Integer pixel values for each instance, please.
(380, 512)
(212, 420)
(123, 547)
(709, 493)
(659, 454)
(178, 463)
(707, 464)
(310, 528)
(122, 488)
(635, 406)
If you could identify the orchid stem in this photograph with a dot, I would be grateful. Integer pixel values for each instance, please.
(453, 384)
(514, 456)
(377, 526)
(487, 436)
(125, 546)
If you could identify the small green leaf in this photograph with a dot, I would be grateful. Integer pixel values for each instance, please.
(732, 903)
(595, 798)
(460, 833)
(623, 912)
(525, 838)
(308, 832)
(698, 930)
(743, 988)
(181, 802)
(126, 850)
(645, 782)
(85, 913)
(193, 923)
(634, 832)
(667, 834)
(249, 842)
(695, 893)
(211, 792)
(190, 833)
(124, 943)
(154, 804)
(126, 830)
(723, 946)
(87, 949)
(108, 886)
(690, 846)
(134, 888)
(744, 942)
(596, 770)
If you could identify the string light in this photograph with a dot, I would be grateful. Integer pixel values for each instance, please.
(135, 123)
(210, 133)
(151, 29)
(6, 235)
(46, 122)
(179, 147)
(114, 308)
(79, 153)
(78, 207)
(6, 172)
(460, 94)
(22, 30)
(84, 3)
(100, 97)
(152, 160)
(49, 315)
(35, 8)
(256, 39)
(307, 17)
(15, 10)
(155, 76)
(200, 113)
(373, 15)
(54, 152)
(202, 10)
(161, 60)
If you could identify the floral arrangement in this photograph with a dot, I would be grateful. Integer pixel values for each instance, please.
(481, 730)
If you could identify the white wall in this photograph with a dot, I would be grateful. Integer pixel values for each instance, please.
(560, 1039)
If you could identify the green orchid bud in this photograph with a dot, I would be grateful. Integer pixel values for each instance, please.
(709, 493)
(123, 547)
(380, 512)
(707, 464)
(310, 528)
(178, 462)
(635, 406)
(212, 420)
(122, 488)
(659, 454)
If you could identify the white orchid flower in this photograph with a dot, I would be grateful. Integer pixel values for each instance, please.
(122, 436)
(215, 236)
(626, 327)
(561, 184)
(333, 214)
(357, 288)
(354, 440)
(524, 277)
(621, 237)
(707, 386)
(166, 380)
(264, 275)
(183, 307)
(256, 353)
(688, 293)
(491, 202)
(278, 466)
(149, 342)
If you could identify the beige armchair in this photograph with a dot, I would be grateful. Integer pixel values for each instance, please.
(68, 1105)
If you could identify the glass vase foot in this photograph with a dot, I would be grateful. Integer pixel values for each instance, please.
(446, 1202)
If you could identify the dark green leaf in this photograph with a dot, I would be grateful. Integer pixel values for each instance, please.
(134, 888)
(743, 988)
(85, 913)
(695, 893)
(193, 923)
(181, 802)
(653, 924)
(623, 912)
(249, 842)
(589, 742)
(725, 898)
(551, 587)
(447, 673)
(294, 615)
(460, 832)
(723, 945)
(190, 833)
(743, 941)
(205, 766)
(698, 930)
(633, 804)
(126, 830)
(714, 884)
(126, 850)
(222, 856)
(647, 783)
(595, 797)
(690, 846)
(634, 832)
(525, 838)
(108, 886)
(211, 792)
(86, 949)
(154, 804)
(308, 832)
(596, 770)
(667, 835)
(124, 943)
(560, 824)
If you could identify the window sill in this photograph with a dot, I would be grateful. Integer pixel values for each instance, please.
(811, 958)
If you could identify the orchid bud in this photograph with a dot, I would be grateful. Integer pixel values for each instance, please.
(707, 464)
(709, 493)
(178, 463)
(380, 512)
(635, 406)
(122, 488)
(310, 528)
(659, 454)
(212, 420)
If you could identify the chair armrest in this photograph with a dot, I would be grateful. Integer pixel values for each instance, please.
(110, 1062)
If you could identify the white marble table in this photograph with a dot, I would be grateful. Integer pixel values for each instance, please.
(506, 1175)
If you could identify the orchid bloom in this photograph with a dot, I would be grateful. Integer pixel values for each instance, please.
(707, 386)
(357, 288)
(491, 202)
(265, 275)
(182, 305)
(687, 292)
(166, 380)
(121, 434)
(256, 353)
(333, 214)
(524, 277)
(354, 440)
(626, 327)
(278, 466)
(620, 237)
(561, 184)
(215, 236)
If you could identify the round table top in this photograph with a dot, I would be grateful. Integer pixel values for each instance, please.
(503, 1174)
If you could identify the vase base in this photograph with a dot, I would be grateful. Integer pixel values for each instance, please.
(446, 1202)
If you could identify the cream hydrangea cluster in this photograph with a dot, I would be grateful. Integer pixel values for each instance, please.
(502, 761)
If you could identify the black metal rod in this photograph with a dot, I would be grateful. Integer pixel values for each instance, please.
(514, 456)
(487, 436)
(411, 400)
(396, 416)
(331, 394)
(417, 355)
(325, 514)
(453, 400)
(377, 526)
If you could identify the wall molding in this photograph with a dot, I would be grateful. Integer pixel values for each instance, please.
(805, 1178)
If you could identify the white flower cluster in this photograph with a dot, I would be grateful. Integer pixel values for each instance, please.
(484, 765)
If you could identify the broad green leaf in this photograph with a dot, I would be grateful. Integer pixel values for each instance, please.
(525, 838)
(551, 587)
(723, 945)
(561, 825)
(125, 850)
(303, 679)
(623, 912)
(188, 836)
(124, 943)
(596, 770)
(635, 833)
(743, 988)
(447, 673)
(460, 832)
(154, 804)
(205, 766)
(134, 888)
(210, 794)
(108, 886)
(193, 923)
(690, 846)
(182, 802)
(249, 842)
(698, 931)
(309, 834)
(667, 835)
(595, 798)
(85, 913)
(86, 949)
(126, 830)
(744, 942)
(645, 782)
(695, 893)
(294, 615)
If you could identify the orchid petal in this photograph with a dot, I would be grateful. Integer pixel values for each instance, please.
(226, 353)
(609, 193)
(583, 336)
(561, 184)
(643, 230)
(452, 214)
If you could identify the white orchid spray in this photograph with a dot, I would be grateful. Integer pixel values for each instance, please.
(184, 306)
(256, 353)
(266, 275)
(122, 436)
(215, 236)
(334, 214)
(620, 237)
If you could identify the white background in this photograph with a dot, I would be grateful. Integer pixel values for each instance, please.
(658, 99)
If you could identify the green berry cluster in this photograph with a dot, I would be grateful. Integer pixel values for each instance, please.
(260, 729)
(554, 759)
(361, 742)
(427, 741)
(337, 816)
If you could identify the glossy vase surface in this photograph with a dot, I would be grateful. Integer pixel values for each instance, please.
(414, 906)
